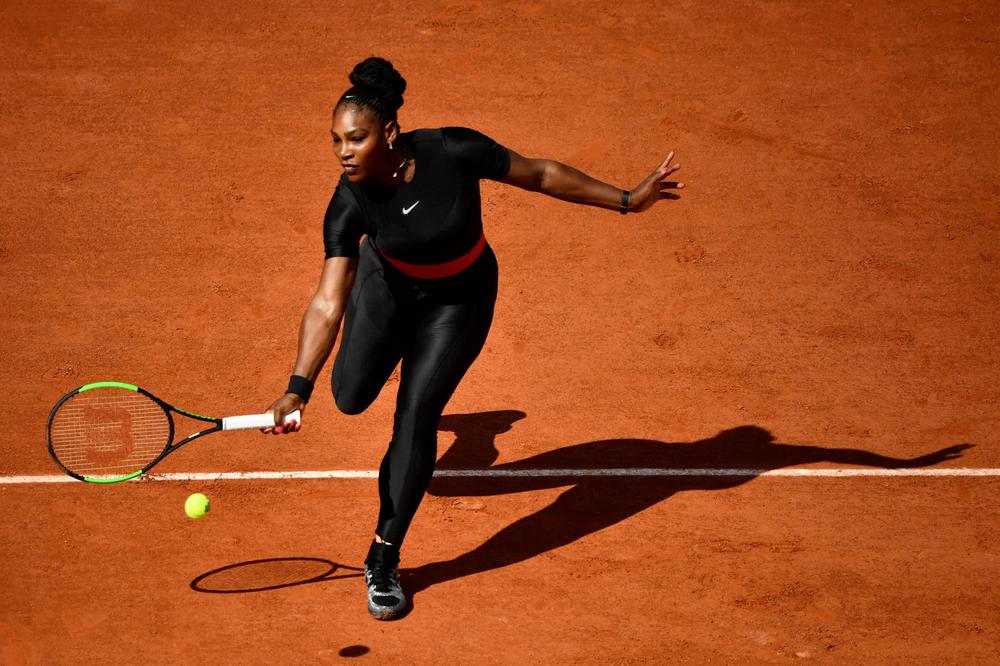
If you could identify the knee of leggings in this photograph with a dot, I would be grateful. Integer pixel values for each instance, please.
(349, 404)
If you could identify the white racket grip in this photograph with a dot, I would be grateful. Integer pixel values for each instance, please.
(251, 421)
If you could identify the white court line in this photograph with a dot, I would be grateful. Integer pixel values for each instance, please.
(534, 473)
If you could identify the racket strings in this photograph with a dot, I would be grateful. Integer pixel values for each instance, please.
(108, 431)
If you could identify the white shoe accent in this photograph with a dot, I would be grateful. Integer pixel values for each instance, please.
(406, 211)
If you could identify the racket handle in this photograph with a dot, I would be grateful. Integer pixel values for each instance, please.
(251, 421)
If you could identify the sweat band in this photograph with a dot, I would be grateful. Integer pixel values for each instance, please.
(300, 386)
(626, 196)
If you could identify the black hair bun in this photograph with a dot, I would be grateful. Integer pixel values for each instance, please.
(380, 76)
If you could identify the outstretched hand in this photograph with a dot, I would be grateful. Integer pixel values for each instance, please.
(654, 188)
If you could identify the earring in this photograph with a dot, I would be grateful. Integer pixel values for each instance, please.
(390, 145)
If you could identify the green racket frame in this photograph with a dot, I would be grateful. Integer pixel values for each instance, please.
(168, 449)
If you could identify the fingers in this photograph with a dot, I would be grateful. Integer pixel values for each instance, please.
(285, 428)
(666, 171)
(665, 168)
(281, 426)
(666, 163)
(665, 188)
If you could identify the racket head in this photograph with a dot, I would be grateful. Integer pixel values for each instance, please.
(107, 432)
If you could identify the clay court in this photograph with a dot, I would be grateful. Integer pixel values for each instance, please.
(753, 425)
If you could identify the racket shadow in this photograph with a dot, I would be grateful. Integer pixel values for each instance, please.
(271, 574)
(591, 504)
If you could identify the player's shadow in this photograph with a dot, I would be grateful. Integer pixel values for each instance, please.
(591, 504)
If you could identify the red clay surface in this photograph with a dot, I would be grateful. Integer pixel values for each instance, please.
(829, 279)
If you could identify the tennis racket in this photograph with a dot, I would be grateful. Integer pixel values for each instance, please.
(108, 432)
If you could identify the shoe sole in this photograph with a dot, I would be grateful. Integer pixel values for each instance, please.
(386, 614)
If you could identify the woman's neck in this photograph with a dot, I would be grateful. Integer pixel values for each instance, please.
(400, 169)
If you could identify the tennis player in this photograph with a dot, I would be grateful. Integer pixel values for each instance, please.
(409, 270)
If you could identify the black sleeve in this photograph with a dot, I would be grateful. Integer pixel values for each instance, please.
(476, 153)
(343, 224)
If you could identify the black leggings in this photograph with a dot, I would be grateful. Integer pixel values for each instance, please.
(437, 327)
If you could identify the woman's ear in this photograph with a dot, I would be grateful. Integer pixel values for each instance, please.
(391, 132)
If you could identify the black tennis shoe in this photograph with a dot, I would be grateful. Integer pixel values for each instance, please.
(385, 596)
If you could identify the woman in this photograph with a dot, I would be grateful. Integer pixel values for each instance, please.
(419, 288)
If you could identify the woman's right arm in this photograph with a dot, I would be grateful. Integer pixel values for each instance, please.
(318, 332)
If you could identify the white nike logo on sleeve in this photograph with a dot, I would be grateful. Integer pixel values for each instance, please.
(406, 211)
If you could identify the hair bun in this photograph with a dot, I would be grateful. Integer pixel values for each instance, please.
(379, 75)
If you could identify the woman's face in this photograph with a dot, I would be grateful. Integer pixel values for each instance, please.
(360, 143)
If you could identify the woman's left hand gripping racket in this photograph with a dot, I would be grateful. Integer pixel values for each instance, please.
(110, 431)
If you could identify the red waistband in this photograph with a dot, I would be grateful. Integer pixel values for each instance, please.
(433, 271)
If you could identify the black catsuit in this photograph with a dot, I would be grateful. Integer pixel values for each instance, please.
(435, 325)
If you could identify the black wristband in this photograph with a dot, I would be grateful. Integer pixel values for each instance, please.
(300, 386)
(626, 195)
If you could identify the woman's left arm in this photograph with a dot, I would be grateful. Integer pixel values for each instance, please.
(564, 182)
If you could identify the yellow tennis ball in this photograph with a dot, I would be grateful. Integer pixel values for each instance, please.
(196, 505)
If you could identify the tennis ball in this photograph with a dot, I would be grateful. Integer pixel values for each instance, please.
(196, 505)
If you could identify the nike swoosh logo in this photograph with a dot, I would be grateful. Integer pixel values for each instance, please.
(406, 211)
